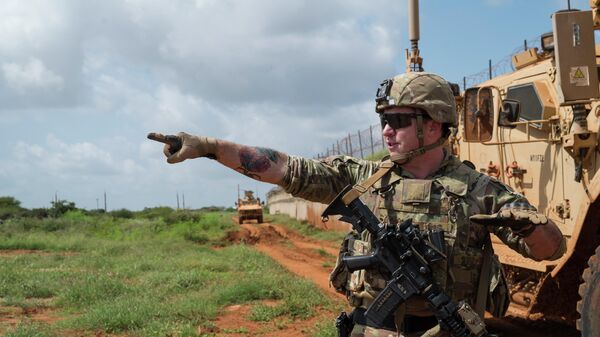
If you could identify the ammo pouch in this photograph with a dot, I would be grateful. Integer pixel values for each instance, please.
(352, 284)
(339, 276)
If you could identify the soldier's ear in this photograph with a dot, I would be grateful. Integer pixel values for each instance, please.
(433, 126)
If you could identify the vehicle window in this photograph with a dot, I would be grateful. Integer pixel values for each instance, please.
(531, 107)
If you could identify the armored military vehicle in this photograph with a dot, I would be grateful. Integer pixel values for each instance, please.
(249, 208)
(536, 129)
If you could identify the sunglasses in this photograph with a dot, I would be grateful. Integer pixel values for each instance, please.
(398, 120)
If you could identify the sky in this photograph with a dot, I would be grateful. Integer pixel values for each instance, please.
(83, 82)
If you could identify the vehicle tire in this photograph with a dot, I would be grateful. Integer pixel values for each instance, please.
(589, 305)
(260, 219)
(240, 220)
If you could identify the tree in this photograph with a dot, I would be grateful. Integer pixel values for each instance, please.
(61, 207)
(10, 208)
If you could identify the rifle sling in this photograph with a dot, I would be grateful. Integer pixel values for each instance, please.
(484, 278)
(360, 188)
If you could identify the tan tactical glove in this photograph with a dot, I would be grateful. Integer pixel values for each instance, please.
(192, 147)
(183, 146)
(521, 217)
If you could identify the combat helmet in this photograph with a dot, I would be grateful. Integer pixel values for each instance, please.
(424, 91)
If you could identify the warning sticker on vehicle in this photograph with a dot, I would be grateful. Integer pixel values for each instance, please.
(580, 76)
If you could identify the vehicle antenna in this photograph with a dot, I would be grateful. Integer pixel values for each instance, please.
(414, 62)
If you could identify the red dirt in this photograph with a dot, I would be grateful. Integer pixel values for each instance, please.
(11, 316)
(305, 257)
(235, 322)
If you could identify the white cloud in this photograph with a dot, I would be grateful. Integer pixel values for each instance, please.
(266, 72)
(166, 107)
(31, 25)
(63, 160)
(31, 75)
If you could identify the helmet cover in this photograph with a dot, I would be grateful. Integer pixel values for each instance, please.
(421, 90)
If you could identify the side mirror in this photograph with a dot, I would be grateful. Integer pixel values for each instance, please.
(509, 113)
(478, 114)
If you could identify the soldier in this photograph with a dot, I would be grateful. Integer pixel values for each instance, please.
(421, 180)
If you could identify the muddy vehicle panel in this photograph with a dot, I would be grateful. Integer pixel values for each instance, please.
(249, 208)
(536, 129)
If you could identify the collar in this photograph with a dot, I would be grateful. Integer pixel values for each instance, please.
(449, 162)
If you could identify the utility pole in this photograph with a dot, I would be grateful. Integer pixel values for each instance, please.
(105, 208)
(183, 197)
(177, 194)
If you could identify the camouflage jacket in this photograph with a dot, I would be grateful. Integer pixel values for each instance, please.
(444, 200)
(321, 181)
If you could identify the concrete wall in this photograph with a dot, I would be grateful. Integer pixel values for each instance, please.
(280, 202)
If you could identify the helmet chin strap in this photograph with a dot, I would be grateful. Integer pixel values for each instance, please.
(403, 158)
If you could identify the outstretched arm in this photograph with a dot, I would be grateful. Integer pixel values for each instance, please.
(258, 163)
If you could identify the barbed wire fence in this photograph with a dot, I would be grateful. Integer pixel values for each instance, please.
(361, 144)
(501, 67)
(366, 142)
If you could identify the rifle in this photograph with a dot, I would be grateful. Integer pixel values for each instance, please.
(404, 254)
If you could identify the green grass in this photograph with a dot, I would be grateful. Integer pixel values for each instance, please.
(377, 155)
(324, 328)
(30, 330)
(141, 277)
(305, 228)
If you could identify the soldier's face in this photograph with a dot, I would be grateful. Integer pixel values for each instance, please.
(403, 139)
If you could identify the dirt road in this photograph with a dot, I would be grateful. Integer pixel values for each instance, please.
(313, 259)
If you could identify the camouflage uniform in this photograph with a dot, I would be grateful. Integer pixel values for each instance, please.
(444, 200)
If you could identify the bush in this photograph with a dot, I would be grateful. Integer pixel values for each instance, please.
(97, 211)
(76, 215)
(122, 214)
(37, 213)
(156, 212)
(183, 216)
(10, 208)
(61, 207)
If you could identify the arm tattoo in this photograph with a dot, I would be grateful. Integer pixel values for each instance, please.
(256, 160)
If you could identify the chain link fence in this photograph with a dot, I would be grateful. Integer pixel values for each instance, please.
(361, 144)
